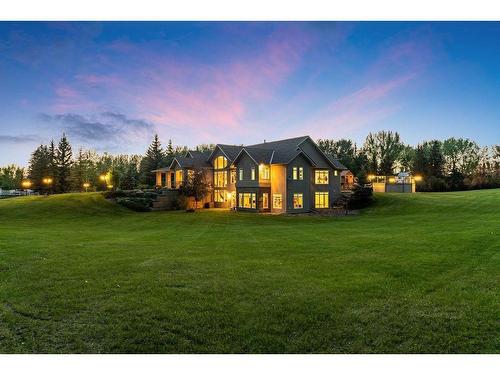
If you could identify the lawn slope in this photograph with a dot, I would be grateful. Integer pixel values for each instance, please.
(415, 273)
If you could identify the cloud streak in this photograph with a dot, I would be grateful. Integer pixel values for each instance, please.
(108, 128)
(19, 139)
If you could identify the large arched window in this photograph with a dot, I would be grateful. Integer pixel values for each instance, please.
(220, 162)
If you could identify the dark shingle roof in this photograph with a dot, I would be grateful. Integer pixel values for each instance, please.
(260, 155)
(198, 161)
(231, 151)
(284, 150)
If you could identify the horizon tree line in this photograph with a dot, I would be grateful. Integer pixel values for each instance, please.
(452, 164)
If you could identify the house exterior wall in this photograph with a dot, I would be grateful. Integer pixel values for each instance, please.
(278, 186)
(298, 186)
(312, 151)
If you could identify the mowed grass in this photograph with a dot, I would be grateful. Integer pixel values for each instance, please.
(416, 273)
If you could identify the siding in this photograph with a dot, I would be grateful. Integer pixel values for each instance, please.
(298, 186)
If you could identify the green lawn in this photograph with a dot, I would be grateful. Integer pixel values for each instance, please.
(415, 273)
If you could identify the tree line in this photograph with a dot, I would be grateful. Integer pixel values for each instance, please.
(452, 164)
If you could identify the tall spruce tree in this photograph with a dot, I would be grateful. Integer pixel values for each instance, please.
(63, 162)
(154, 159)
(39, 167)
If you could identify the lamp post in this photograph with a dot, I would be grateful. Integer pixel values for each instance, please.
(104, 179)
(26, 184)
(48, 182)
(86, 186)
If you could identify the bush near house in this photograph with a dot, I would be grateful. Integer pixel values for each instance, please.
(137, 200)
(361, 197)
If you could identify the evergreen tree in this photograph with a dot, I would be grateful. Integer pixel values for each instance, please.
(154, 159)
(63, 163)
(39, 167)
(170, 149)
(52, 160)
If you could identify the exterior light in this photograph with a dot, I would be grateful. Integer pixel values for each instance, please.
(392, 180)
(47, 180)
(102, 177)
(86, 185)
(418, 178)
(110, 186)
(26, 184)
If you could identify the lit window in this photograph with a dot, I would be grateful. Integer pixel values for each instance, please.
(240, 200)
(335, 172)
(220, 178)
(298, 200)
(298, 173)
(220, 162)
(247, 200)
(233, 176)
(178, 177)
(265, 200)
(277, 201)
(190, 173)
(219, 196)
(253, 173)
(321, 177)
(264, 172)
(241, 175)
(321, 199)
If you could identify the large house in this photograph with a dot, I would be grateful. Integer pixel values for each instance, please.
(291, 175)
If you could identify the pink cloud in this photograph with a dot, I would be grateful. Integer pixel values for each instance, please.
(202, 99)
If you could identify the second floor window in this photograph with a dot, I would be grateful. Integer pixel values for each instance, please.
(220, 178)
(233, 176)
(321, 177)
(241, 174)
(253, 173)
(298, 173)
(264, 173)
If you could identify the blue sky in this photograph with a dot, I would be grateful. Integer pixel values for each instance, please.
(110, 86)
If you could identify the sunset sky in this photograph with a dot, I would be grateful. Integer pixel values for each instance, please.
(110, 86)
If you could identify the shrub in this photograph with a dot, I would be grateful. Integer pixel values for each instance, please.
(361, 197)
(114, 194)
(136, 204)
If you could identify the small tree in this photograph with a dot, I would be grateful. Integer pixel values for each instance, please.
(195, 186)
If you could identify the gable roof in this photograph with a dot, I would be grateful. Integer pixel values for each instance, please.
(258, 155)
(283, 149)
(230, 151)
(199, 161)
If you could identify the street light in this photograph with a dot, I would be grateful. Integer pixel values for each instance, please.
(86, 186)
(47, 181)
(104, 178)
(26, 184)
